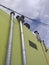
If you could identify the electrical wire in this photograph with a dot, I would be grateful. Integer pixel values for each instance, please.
(22, 14)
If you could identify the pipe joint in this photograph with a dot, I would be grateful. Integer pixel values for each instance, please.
(12, 13)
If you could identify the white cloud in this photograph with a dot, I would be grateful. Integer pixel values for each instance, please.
(33, 9)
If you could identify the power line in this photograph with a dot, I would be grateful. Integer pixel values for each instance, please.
(22, 14)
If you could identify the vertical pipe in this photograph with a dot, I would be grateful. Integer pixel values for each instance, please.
(23, 44)
(9, 49)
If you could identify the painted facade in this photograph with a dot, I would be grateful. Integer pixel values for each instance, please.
(35, 51)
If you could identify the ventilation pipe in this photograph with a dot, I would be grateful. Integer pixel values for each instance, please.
(21, 21)
(27, 25)
(45, 46)
(9, 49)
(38, 36)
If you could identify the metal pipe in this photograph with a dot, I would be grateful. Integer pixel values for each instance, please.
(23, 43)
(9, 49)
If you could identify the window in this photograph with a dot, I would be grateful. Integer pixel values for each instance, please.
(32, 44)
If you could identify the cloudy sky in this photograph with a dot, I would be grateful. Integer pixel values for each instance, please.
(35, 9)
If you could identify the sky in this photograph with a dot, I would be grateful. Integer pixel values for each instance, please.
(35, 9)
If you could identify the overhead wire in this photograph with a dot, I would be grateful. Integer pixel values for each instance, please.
(22, 14)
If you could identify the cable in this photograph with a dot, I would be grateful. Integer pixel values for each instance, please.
(22, 14)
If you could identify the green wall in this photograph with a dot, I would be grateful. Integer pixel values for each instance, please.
(34, 56)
